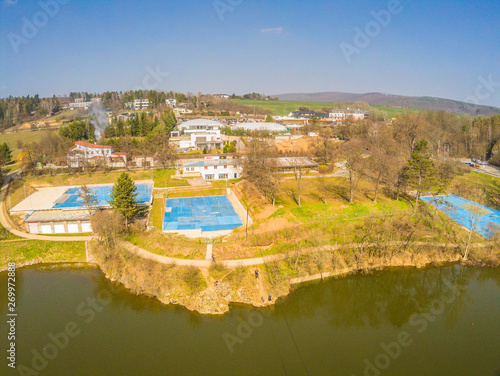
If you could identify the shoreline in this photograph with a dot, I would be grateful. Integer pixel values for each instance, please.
(218, 299)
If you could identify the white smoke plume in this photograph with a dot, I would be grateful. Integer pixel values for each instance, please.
(101, 120)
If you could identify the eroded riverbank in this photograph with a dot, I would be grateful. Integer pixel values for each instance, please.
(212, 290)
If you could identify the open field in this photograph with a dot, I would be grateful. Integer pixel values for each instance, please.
(393, 112)
(26, 137)
(6, 235)
(33, 251)
(283, 108)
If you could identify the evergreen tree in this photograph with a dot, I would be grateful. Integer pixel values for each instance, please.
(5, 154)
(124, 197)
(421, 170)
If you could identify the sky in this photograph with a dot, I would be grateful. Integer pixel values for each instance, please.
(448, 49)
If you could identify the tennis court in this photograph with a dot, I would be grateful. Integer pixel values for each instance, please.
(466, 212)
(210, 213)
(70, 198)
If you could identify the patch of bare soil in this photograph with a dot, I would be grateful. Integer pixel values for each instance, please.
(294, 146)
(197, 182)
(274, 224)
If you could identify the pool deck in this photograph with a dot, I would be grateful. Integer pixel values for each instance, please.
(47, 198)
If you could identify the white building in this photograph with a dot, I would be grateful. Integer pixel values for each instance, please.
(200, 134)
(201, 140)
(80, 104)
(214, 168)
(348, 114)
(141, 103)
(197, 125)
(84, 152)
(171, 102)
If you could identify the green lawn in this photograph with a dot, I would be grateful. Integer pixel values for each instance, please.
(337, 209)
(284, 107)
(162, 178)
(393, 112)
(155, 219)
(26, 137)
(42, 251)
(5, 235)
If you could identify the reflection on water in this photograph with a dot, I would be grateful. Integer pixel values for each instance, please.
(440, 321)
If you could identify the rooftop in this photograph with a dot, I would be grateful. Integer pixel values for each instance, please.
(57, 215)
(89, 145)
(213, 162)
(199, 122)
(270, 127)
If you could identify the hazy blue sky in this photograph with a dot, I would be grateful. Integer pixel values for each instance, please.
(438, 48)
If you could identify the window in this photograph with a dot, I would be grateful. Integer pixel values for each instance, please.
(209, 177)
(225, 166)
(223, 176)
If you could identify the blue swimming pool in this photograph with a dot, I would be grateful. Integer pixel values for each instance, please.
(71, 200)
(457, 208)
(211, 213)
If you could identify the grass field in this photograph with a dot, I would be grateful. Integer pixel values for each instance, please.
(5, 235)
(162, 178)
(40, 251)
(285, 107)
(26, 137)
(393, 112)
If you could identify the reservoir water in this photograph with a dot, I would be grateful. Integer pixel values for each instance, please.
(435, 321)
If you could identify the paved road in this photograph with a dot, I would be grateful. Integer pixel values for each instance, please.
(487, 169)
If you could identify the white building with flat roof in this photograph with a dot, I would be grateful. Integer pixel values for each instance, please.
(342, 114)
(214, 168)
(197, 125)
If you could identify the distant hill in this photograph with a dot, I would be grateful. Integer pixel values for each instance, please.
(379, 99)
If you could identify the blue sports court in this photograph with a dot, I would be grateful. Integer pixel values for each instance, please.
(71, 200)
(210, 213)
(463, 211)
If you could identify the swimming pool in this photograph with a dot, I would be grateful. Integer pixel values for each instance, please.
(71, 200)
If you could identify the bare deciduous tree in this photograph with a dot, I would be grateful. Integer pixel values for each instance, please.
(108, 225)
(351, 154)
(89, 198)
